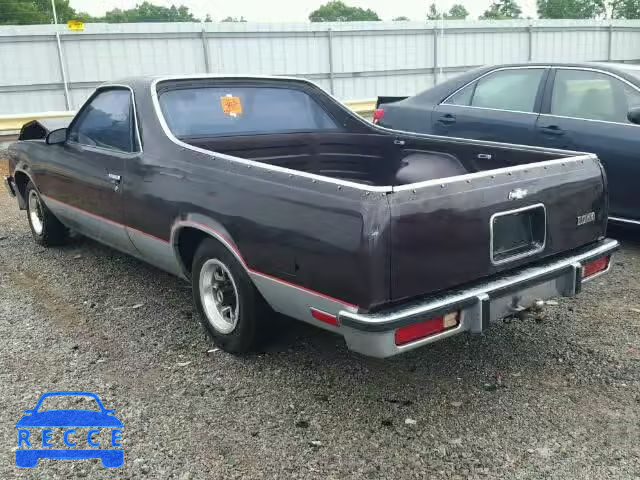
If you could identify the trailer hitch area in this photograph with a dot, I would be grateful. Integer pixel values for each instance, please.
(520, 312)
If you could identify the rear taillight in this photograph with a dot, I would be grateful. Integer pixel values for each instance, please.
(420, 330)
(595, 266)
(378, 113)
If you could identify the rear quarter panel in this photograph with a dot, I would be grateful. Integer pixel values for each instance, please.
(318, 235)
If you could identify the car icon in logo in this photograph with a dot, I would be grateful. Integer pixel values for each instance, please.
(41, 430)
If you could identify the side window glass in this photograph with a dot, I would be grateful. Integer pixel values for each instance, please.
(592, 96)
(514, 90)
(106, 122)
(461, 97)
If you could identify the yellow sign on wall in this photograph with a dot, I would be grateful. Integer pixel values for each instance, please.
(76, 25)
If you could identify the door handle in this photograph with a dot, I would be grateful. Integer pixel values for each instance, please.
(447, 119)
(552, 130)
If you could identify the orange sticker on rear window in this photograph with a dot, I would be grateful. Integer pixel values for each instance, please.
(231, 105)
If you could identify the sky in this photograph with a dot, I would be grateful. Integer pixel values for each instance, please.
(296, 10)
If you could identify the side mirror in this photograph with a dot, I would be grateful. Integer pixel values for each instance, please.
(634, 115)
(56, 136)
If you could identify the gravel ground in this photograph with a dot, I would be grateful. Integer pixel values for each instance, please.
(557, 399)
(4, 166)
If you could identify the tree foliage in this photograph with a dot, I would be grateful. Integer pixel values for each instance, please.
(502, 10)
(432, 12)
(32, 12)
(23, 13)
(571, 8)
(337, 11)
(233, 19)
(629, 9)
(456, 12)
(64, 11)
(148, 12)
(402, 18)
(28, 12)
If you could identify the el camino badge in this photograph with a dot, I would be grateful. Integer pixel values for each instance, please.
(517, 194)
(586, 218)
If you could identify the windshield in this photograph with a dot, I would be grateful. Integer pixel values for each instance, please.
(214, 111)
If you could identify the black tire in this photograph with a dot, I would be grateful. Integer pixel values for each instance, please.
(50, 232)
(252, 313)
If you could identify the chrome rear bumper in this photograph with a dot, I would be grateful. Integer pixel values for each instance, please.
(479, 304)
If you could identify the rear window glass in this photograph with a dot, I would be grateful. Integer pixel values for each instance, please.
(215, 111)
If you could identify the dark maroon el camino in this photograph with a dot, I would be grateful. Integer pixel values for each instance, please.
(268, 194)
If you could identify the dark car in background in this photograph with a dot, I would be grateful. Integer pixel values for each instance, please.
(590, 107)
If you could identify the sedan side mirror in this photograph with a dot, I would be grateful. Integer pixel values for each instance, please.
(56, 136)
(634, 115)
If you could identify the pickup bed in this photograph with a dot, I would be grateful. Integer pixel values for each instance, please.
(269, 195)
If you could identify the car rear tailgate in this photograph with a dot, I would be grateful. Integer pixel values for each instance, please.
(448, 232)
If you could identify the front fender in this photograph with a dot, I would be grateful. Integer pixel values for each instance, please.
(21, 171)
(21, 179)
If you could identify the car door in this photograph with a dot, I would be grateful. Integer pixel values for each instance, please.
(86, 178)
(586, 110)
(499, 106)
